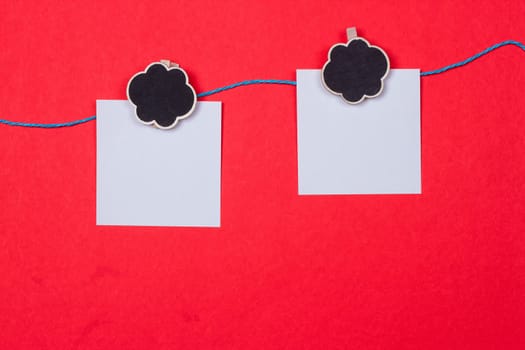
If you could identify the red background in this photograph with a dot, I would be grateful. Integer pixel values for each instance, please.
(443, 270)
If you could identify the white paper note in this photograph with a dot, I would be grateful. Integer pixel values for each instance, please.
(370, 148)
(152, 177)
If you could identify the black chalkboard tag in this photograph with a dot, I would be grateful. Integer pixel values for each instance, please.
(355, 70)
(162, 95)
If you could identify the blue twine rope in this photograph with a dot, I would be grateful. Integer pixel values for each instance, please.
(472, 58)
(270, 81)
(202, 94)
(47, 126)
(245, 83)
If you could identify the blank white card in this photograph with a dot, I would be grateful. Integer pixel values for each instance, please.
(370, 148)
(152, 177)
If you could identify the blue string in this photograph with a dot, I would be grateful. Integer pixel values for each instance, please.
(472, 58)
(270, 81)
(245, 83)
(202, 94)
(47, 126)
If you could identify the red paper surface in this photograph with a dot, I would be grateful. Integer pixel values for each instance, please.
(444, 270)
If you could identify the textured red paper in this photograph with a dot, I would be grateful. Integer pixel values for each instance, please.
(444, 270)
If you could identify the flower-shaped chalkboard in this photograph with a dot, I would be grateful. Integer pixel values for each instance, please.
(162, 95)
(355, 70)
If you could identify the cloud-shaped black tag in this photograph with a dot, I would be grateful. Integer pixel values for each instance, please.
(162, 95)
(355, 71)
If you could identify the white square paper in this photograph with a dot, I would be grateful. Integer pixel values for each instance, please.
(370, 148)
(152, 177)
